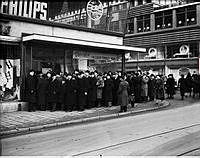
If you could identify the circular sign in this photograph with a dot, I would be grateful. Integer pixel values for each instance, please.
(184, 49)
(152, 52)
(94, 9)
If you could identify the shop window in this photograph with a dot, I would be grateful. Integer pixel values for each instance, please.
(143, 23)
(163, 20)
(9, 72)
(184, 50)
(130, 26)
(186, 16)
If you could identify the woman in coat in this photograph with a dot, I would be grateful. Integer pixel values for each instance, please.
(144, 88)
(100, 85)
(123, 94)
(159, 88)
(151, 87)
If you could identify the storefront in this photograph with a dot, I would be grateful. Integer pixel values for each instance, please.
(45, 45)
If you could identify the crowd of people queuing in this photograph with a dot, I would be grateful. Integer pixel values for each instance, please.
(83, 90)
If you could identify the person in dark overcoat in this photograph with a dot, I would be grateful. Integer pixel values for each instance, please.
(170, 85)
(53, 93)
(144, 87)
(83, 86)
(159, 88)
(195, 85)
(138, 82)
(92, 91)
(108, 87)
(188, 81)
(31, 90)
(151, 87)
(116, 82)
(182, 85)
(70, 93)
(42, 91)
(100, 85)
(123, 94)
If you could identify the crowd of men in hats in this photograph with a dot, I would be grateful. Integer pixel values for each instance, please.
(84, 90)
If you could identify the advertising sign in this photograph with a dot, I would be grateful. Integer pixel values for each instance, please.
(94, 9)
(31, 8)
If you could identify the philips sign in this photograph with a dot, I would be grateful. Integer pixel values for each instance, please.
(31, 8)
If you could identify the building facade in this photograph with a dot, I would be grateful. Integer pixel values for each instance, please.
(168, 29)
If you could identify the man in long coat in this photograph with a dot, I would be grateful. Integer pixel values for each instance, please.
(116, 82)
(31, 89)
(144, 87)
(182, 85)
(92, 92)
(83, 86)
(151, 87)
(170, 84)
(123, 94)
(42, 91)
(108, 89)
(53, 93)
(137, 83)
(70, 93)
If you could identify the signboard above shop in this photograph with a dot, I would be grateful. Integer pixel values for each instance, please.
(30, 9)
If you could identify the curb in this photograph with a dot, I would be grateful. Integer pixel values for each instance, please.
(20, 131)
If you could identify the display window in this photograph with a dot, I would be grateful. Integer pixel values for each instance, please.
(10, 73)
(182, 50)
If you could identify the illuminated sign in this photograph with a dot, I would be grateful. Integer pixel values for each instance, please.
(94, 9)
(31, 8)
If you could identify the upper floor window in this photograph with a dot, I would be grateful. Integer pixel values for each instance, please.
(130, 25)
(143, 23)
(186, 16)
(163, 20)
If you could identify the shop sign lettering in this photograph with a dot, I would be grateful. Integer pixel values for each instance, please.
(30, 9)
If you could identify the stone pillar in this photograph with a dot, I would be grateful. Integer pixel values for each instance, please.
(199, 58)
(135, 25)
(174, 19)
(152, 22)
(198, 14)
(123, 62)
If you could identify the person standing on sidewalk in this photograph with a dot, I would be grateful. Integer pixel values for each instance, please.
(31, 89)
(170, 84)
(41, 91)
(100, 85)
(144, 88)
(159, 88)
(108, 87)
(188, 84)
(123, 94)
(92, 90)
(151, 87)
(53, 90)
(182, 85)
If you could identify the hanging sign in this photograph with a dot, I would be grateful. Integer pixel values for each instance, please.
(31, 8)
(94, 9)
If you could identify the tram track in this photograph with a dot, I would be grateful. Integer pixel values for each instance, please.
(190, 151)
(143, 138)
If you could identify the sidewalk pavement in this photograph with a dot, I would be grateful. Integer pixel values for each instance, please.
(22, 122)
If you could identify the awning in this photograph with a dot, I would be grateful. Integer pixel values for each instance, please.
(80, 42)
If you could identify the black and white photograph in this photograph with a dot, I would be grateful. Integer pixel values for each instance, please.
(100, 78)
